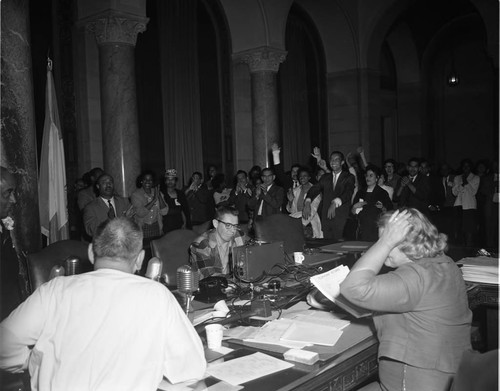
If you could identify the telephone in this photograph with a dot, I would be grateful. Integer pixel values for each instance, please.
(212, 289)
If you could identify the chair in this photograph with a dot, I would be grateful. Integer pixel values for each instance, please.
(281, 228)
(41, 263)
(173, 250)
(477, 372)
(201, 228)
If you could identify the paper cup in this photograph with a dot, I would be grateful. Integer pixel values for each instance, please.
(298, 257)
(214, 335)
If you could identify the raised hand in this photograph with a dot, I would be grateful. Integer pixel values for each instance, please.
(316, 154)
(396, 229)
(130, 212)
(275, 147)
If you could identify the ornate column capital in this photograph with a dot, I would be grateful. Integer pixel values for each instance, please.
(115, 27)
(264, 58)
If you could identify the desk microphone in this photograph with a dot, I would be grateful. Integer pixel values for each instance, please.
(187, 279)
(187, 283)
(153, 271)
(72, 265)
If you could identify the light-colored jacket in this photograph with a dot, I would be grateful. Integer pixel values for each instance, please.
(313, 219)
(466, 195)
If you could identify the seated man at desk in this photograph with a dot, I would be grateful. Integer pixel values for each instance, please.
(103, 330)
(210, 252)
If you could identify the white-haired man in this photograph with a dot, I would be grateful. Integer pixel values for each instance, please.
(104, 330)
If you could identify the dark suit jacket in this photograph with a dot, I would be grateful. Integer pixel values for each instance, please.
(420, 200)
(344, 190)
(273, 200)
(97, 212)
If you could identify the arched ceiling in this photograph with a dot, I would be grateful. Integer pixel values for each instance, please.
(256, 23)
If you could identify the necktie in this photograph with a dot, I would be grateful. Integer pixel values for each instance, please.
(111, 210)
(334, 180)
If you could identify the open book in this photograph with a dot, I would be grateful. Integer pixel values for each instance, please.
(328, 283)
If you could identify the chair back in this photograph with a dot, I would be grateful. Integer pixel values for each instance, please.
(201, 228)
(55, 254)
(281, 228)
(173, 250)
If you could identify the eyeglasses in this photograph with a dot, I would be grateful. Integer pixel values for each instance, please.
(229, 225)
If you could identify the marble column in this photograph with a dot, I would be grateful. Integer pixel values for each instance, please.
(116, 35)
(264, 64)
(18, 130)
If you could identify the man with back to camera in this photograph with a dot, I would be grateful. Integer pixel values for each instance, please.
(106, 206)
(210, 253)
(103, 330)
(337, 188)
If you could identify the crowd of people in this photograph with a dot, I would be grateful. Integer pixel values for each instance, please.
(338, 197)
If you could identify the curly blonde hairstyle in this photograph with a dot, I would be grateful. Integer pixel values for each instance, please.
(423, 240)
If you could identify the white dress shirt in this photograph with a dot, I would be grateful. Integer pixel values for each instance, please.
(104, 330)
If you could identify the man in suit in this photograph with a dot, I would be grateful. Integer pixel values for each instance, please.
(337, 189)
(106, 206)
(268, 197)
(415, 188)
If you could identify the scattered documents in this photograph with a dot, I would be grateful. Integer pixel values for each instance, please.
(317, 335)
(244, 369)
(328, 283)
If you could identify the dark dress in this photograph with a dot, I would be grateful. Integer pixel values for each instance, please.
(173, 219)
(368, 230)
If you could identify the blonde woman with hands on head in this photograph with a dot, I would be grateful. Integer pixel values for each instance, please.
(420, 309)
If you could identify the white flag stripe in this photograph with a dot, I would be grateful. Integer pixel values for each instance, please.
(52, 180)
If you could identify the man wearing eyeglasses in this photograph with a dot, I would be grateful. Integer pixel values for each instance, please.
(210, 253)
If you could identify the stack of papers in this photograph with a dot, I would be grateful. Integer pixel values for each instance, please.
(297, 328)
(482, 270)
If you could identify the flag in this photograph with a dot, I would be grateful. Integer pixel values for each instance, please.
(52, 191)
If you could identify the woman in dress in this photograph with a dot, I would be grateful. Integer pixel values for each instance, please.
(391, 177)
(368, 203)
(178, 216)
(420, 309)
(150, 206)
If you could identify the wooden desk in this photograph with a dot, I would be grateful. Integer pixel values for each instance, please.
(353, 365)
(484, 301)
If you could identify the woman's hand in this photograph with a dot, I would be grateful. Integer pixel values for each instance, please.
(316, 154)
(396, 229)
(359, 204)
